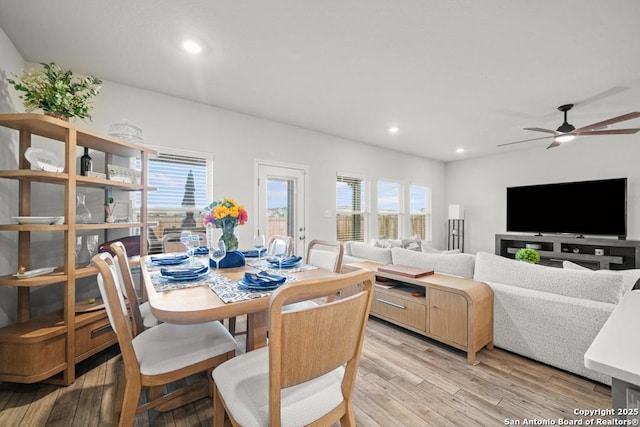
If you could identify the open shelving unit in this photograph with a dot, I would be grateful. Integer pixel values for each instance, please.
(48, 346)
(554, 249)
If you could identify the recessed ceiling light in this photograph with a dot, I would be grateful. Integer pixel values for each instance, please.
(394, 129)
(192, 47)
(460, 150)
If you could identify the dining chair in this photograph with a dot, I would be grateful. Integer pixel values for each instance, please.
(323, 254)
(158, 356)
(306, 375)
(287, 239)
(141, 316)
(171, 242)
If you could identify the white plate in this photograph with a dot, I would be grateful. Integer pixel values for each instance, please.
(34, 273)
(43, 160)
(38, 219)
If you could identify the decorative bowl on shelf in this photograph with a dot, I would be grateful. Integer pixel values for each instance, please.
(127, 132)
(42, 159)
(42, 220)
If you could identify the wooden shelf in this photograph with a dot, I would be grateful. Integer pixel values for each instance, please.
(33, 227)
(108, 225)
(35, 330)
(49, 127)
(36, 175)
(36, 349)
(62, 177)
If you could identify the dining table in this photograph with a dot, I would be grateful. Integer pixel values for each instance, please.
(198, 302)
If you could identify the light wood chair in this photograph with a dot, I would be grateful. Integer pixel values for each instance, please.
(287, 239)
(311, 361)
(141, 316)
(171, 242)
(325, 254)
(158, 356)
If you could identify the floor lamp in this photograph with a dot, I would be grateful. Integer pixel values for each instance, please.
(455, 228)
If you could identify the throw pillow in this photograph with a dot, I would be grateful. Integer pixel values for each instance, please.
(630, 278)
(412, 243)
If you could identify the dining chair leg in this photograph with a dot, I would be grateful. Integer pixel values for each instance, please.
(130, 403)
(120, 387)
(232, 326)
(218, 408)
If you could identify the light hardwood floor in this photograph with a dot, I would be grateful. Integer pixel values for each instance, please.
(404, 379)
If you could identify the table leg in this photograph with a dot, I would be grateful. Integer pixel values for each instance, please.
(256, 330)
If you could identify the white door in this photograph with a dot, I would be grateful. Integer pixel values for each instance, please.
(282, 202)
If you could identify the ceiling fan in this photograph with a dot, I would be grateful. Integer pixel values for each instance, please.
(567, 132)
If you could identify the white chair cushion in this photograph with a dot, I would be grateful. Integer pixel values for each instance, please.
(243, 383)
(168, 347)
(323, 259)
(148, 319)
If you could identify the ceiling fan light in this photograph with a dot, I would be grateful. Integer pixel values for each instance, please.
(565, 137)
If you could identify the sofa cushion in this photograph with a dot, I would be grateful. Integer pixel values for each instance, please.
(604, 286)
(362, 250)
(456, 264)
(630, 278)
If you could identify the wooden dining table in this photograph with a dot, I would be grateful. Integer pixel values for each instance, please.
(201, 304)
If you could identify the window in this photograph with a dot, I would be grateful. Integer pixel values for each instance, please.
(389, 210)
(420, 211)
(182, 181)
(351, 208)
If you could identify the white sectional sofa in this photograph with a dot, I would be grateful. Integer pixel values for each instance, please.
(548, 314)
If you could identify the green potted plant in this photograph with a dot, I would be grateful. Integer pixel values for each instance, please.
(528, 255)
(57, 92)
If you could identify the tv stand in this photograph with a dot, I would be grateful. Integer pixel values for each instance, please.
(618, 254)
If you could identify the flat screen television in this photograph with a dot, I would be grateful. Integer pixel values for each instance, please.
(585, 207)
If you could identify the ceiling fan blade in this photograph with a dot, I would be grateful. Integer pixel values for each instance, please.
(622, 118)
(554, 144)
(542, 130)
(524, 140)
(610, 132)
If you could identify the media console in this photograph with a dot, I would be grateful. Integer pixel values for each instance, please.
(553, 249)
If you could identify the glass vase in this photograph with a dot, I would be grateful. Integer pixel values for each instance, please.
(230, 238)
(83, 214)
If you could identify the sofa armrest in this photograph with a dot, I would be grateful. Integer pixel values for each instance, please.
(554, 329)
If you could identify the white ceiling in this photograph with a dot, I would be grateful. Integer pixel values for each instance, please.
(449, 73)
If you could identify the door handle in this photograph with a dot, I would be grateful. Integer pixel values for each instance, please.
(302, 237)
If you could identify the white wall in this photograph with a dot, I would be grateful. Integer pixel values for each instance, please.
(237, 140)
(480, 184)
